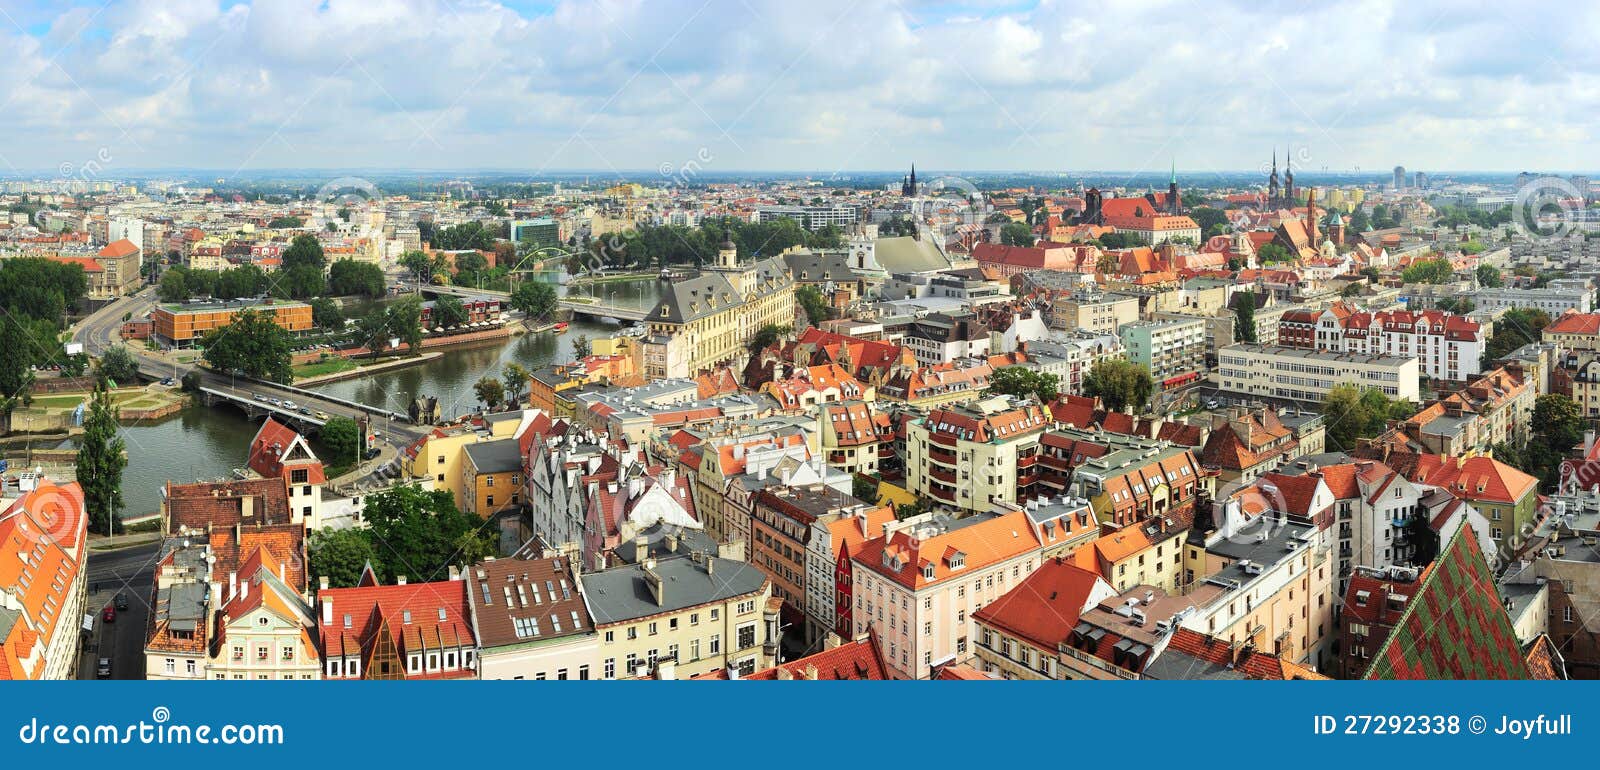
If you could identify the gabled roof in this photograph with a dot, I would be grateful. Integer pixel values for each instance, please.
(119, 249)
(1044, 607)
(860, 660)
(1455, 626)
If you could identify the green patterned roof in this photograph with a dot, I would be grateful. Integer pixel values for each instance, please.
(1455, 626)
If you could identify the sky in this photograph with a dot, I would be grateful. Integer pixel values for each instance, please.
(821, 86)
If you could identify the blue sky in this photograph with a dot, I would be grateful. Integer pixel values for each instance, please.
(820, 85)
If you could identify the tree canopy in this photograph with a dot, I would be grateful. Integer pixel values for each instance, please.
(1021, 381)
(1119, 384)
(253, 345)
(349, 277)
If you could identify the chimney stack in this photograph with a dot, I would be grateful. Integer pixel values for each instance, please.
(399, 580)
(322, 582)
(327, 608)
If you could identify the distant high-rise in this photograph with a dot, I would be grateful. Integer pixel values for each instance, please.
(1421, 178)
(1399, 177)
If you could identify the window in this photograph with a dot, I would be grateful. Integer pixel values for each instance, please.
(694, 649)
(747, 636)
(172, 665)
(611, 668)
(188, 667)
(288, 653)
(716, 644)
(261, 653)
(611, 636)
(744, 607)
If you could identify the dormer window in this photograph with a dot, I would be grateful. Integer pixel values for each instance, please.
(927, 570)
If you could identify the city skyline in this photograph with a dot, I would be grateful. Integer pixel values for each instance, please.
(755, 87)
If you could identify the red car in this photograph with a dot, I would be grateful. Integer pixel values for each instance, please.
(110, 615)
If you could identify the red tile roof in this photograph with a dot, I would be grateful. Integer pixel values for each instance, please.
(1044, 607)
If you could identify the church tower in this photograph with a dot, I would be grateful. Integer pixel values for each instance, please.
(1311, 217)
(1288, 179)
(727, 255)
(1174, 200)
(1272, 181)
(908, 186)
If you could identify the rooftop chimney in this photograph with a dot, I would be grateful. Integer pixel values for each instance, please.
(327, 607)
(322, 582)
(399, 580)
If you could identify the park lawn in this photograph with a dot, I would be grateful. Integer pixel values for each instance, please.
(71, 400)
(329, 366)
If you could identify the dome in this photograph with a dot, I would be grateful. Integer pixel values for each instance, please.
(727, 245)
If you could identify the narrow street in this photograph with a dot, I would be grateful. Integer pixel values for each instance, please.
(130, 571)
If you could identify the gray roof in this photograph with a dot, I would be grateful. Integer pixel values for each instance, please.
(622, 593)
(500, 456)
(906, 254)
(819, 266)
(693, 298)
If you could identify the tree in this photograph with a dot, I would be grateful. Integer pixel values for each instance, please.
(447, 312)
(173, 286)
(490, 391)
(1558, 422)
(1489, 275)
(1351, 413)
(580, 346)
(253, 345)
(1115, 240)
(421, 265)
(305, 251)
(341, 436)
(864, 488)
(816, 306)
(534, 298)
(1016, 234)
(117, 364)
(1119, 384)
(286, 223)
(1457, 305)
(1428, 271)
(1210, 219)
(246, 280)
(341, 555)
(1352, 290)
(515, 378)
(100, 462)
(16, 373)
(767, 336)
(1270, 253)
(1244, 317)
(896, 226)
(372, 330)
(300, 282)
(405, 322)
(326, 314)
(1024, 382)
(349, 277)
(418, 533)
(1517, 327)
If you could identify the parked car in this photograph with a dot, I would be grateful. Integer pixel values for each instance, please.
(305, 410)
(110, 614)
(121, 602)
(371, 453)
(287, 404)
(102, 668)
(321, 415)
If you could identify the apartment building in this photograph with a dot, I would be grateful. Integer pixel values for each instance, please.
(1447, 346)
(938, 338)
(182, 325)
(784, 520)
(829, 577)
(43, 542)
(970, 457)
(1173, 350)
(917, 587)
(1551, 300)
(857, 437)
(400, 631)
(1020, 635)
(714, 314)
(531, 620)
(701, 612)
(1304, 375)
(1092, 311)
(1126, 479)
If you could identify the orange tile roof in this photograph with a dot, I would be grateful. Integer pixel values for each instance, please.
(982, 544)
(41, 548)
(1044, 607)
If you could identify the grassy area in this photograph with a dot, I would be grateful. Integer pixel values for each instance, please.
(327, 366)
(71, 400)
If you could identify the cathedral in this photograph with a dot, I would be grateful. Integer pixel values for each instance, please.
(1284, 196)
(908, 184)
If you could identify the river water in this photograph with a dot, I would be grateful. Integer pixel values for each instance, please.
(206, 444)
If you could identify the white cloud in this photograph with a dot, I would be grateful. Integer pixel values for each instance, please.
(824, 84)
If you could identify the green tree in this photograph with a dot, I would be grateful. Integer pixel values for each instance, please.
(490, 391)
(100, 462)
(1271, 253)
(447, 312)
(897, 226)
(173, 286)
(581, 346)
(405, 322)
(1244, 316)
(1558, 422)
(1428, 271)
(1489, 275)
(864, 488)
(348, 277)
(816, 306)
(300, 282)
(1021, 381)
(341, 436)
(767, 336)
(304, 251)
(340, 555)
(327, 314)
(515, 377)
(117, 364)
(422, 266)
(286, 223)
(1119, 384)
(1352, 290)
(1016, 234)
(1118, 241)
(1457, 305)
(1517, 327)
(253, 345)
(419, 534)
(537, 299)
(1210, 219)
(372, 330)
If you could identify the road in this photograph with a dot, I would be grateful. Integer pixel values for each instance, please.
(101, 330)
(129, 571)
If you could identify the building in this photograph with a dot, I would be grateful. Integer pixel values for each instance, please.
(783, 523)
(182, 325)
(1447, 346)
(857, 437)
(938, 338)
(1507, 497)
(1454, 625)
(1021, 634)
(1173, 351)
(713, 315)
(700, 611)
(43, 544)
(1092, 311)
(1126, 479)
(1374, 602)
(278, 452)
(491, 475)
(917, 587)
(970, 457)
(1550, 300)
(1297, 374)
(810, 217)
(400, 631)
(830, 578)
(538, 233)
(860, 660)
(120, 263)
(531, 620)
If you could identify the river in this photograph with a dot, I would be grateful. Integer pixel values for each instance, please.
(205, 444)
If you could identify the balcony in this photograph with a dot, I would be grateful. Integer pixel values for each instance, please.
(942, 456)
(939, 493)
(948, 477)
